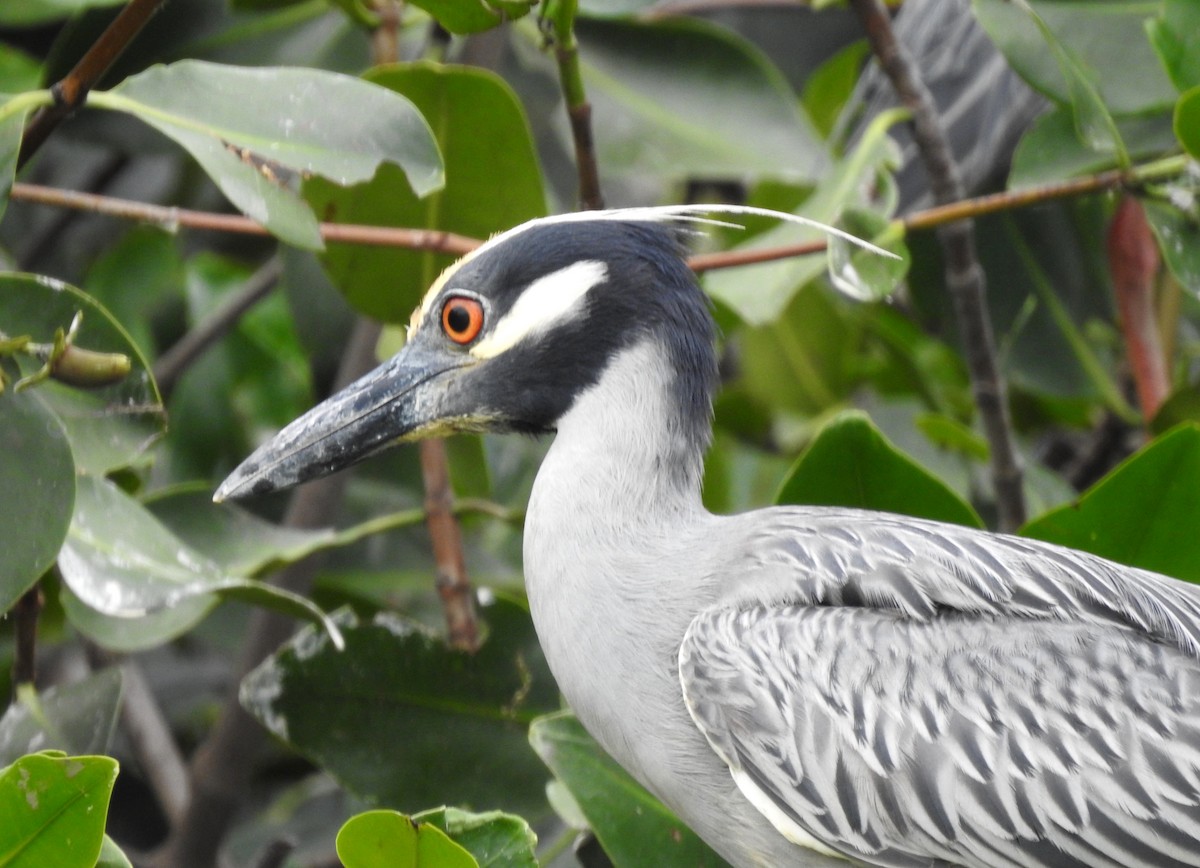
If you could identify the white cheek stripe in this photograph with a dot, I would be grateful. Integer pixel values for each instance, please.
(546, 302)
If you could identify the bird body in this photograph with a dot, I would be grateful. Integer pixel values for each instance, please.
(801, 685)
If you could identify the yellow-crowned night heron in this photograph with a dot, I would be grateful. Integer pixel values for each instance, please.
(799, 684)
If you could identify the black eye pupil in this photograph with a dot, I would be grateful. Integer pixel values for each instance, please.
(458, 318)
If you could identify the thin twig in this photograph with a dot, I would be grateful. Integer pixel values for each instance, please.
(964, 275)
(172, 218)
(579, 110)
(72, 90)
(453, 586)
(175, 361)
(149, 733)
(26, 613)
(223, 765)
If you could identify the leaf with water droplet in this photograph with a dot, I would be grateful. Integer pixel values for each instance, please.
(861, 274)
(120, 561)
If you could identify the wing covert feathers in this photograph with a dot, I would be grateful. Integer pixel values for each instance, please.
(906, 695)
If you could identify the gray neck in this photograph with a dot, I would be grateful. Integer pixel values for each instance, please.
(614, 519)
(630, 451)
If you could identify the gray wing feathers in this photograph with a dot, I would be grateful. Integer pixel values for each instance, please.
(915, 693)
(853, 558)
(977, 741)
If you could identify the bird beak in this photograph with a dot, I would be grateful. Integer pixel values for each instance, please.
(398, 398)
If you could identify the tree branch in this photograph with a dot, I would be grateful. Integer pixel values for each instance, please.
(964, 276)
(447, 242)
(72, 90)
(453, 586)
(175, 361)
(223, 765)
(172, 219)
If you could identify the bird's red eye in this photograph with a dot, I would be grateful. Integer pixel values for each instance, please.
(462, 319)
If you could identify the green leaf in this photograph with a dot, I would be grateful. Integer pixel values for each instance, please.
(54, 808)
(862, 274)
(1132, 515)
(389, 839)
(656, 89)
(1090, 36)
(1178, 235)
(632, 826)
(850, 463)
(462, 716)
(1175, 35)
(252, 127)
(18, 71)
(28, 13)
(827, 90)
(255, 379)
(237, 540)
(473, 16)
(108, 427)
(36, 515)
(13, 112)
(120, 561)
(493, 181)
(137, 279)
(134, 634)
(759, 294)
(111, 856)
(1187, 121)
(78, 718)
(952, 435)
(494, 839)
(1050, 150)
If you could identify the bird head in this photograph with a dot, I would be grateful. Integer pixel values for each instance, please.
(511, 334)
(504, 340)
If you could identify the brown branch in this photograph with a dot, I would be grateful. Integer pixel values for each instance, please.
(964, 275)
(172, 218)
(175, 361)
(72, 90)
(26, 613)
(453, 586)
(446, 242)
(223, 766)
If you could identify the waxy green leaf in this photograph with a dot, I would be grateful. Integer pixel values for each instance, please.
(252, 129)
(54, 808)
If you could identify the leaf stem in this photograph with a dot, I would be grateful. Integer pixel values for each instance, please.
(23, 102)
(579, 110)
